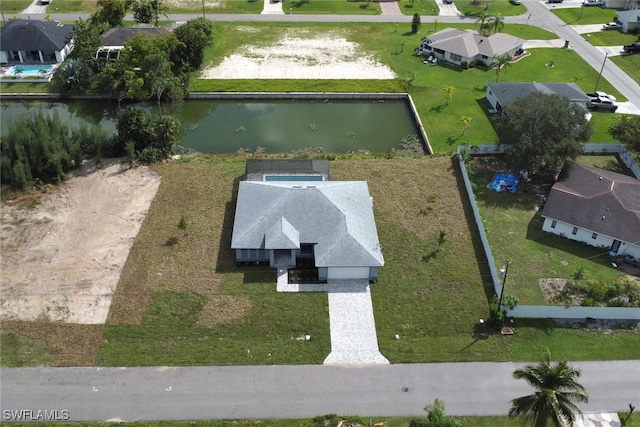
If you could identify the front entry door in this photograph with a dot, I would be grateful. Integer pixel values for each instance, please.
(615, 246)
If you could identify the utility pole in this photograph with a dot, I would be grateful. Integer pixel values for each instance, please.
(504, 281)
(601, 70)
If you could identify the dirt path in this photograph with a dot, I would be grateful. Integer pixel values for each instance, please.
(62, 258)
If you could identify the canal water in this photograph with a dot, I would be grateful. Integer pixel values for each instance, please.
(278, 126)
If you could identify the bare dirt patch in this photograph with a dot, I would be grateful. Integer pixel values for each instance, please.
(62, 259)
(328, 57)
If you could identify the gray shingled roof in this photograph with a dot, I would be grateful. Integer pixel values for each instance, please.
(25, 35)
(506, 93)
(469, 43)
(118, 36)
(335, 216)
(598, 200)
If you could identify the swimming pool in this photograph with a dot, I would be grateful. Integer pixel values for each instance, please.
(29, 70)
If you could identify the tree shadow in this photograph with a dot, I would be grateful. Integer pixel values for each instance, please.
(438, 108)
(171, 241)
(431, 256)
(451, 140)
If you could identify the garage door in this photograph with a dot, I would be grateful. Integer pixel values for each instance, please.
(348, 273)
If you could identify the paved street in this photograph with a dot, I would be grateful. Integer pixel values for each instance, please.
(295, 391)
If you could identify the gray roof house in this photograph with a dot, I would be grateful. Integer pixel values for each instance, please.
(113, 39)
(500, 94)
(320, 230)
(597, 207)
(629, 19)
(458, 46)
(34, 42)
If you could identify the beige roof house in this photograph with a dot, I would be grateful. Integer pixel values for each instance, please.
(458, 46)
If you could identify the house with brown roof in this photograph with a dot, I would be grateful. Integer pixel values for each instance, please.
(462, 47)
(597, 207)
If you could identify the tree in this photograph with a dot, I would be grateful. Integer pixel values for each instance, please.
(111, 12)
(556, 395)
(142, 12)
(503, 60)
(465, 121)
(435, 25)
(437, 418)
(78, 72)
(195, 36)
(415, 23)
(496, 22)
(627, 130)
(482, 20)
(449, 90)
(542, 132)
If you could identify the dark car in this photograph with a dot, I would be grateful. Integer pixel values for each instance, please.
(555, 1)
(632, 48)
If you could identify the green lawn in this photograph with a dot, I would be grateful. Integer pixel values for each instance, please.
(423, 7)
(495, 7)
(14, 6)
(630, 64)
(610, 38)
(586, 15)
(335, 7)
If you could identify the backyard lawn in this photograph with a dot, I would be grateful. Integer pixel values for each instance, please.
(514, 229)
(586, 15)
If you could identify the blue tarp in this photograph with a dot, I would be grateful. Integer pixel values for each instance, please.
(505, 182)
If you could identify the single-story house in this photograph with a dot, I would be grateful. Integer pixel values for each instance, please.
(597, 207)
(619, 4)
(113, 39)
(469, 46)
(29, 41)
(500, 94)
(290, 215)
(629, 19)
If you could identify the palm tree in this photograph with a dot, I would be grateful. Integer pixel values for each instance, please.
(449, 91)
(496, 22)
(483, 16)
(556, 393)
(501, 61)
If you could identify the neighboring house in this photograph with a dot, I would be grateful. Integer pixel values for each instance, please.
(113, 39)
(620, 4)
(469, 46)
(34, 42)
(629, 19)
(501, 94)
(290, 216)
(597, 207)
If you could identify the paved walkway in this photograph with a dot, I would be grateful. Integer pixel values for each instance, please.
(353, 328)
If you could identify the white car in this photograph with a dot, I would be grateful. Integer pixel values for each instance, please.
(592, 3)
(612, 26)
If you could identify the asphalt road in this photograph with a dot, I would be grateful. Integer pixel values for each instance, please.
(243, 392)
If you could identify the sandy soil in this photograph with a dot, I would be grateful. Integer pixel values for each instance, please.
(62, 259)
(329, 57)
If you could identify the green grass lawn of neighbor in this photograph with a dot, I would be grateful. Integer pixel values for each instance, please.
(610, 38)
(14, 6)
(630, 64)
(513, 225)
(181, 300)
(586, 15)
(491, 7)
(423, 7)
(335, 7)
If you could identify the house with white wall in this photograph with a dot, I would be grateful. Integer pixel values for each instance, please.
(469, 46)
(597, 207)
(289, 215)
(629, 19)
(30, 41)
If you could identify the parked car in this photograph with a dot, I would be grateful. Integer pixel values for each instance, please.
(632, 48)
(592, 3)
(448, 1)
(555, 1)
(516, 2)
(602, 104)
(612, 26)
(598, 94)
